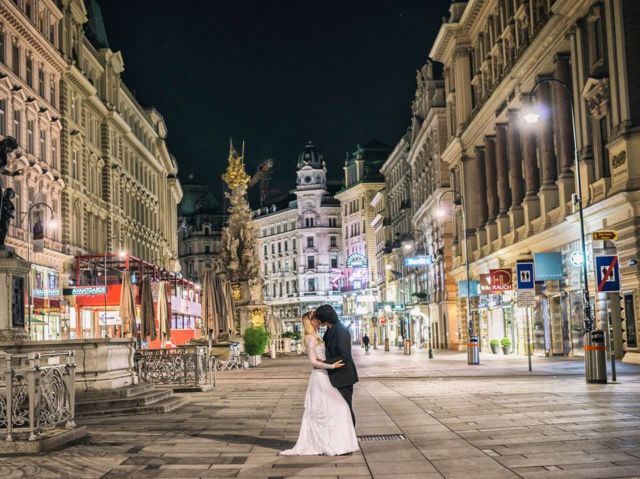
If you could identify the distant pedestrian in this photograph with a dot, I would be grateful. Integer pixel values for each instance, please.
(366, 341)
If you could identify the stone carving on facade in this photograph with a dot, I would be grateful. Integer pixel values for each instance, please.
(240, 248)
(596, 93)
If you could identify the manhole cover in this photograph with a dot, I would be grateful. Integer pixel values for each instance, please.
(382, 437)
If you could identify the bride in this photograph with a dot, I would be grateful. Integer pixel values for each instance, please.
(326, 427)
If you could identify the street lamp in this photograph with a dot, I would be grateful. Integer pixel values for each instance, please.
(532, 116)
(52, 224)
(458, 200)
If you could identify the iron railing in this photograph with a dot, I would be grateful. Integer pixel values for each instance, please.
(38, 393)
(184, 365)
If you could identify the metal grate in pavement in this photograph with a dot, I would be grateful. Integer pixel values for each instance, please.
(382, 437)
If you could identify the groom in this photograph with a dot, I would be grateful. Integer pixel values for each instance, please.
(337, 340)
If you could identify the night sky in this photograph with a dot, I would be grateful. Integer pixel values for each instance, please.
(274, 73)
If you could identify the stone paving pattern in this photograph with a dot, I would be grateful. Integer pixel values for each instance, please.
(490, 421)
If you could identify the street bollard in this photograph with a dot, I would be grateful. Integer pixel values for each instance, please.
(386, 344)
(407, 347)
(430, 353)
(473, 351)
(595, 359)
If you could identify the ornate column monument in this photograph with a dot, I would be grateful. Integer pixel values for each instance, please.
(240, 248)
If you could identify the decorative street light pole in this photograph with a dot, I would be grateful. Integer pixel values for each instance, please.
(473, 358)
(533, 116)
(51, 224)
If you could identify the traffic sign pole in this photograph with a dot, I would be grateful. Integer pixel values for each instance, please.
(526, 296)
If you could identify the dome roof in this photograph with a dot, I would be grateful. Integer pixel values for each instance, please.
(310, 157)
(197, 199)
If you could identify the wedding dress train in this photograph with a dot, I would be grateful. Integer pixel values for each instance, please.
(326, 427)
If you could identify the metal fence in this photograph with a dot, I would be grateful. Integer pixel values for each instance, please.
(38, 393)
(184, 365)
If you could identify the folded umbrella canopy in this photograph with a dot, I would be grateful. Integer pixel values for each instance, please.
(127, 306)
(164, 322)
(229, 308)
(147, 316)
(209, 310)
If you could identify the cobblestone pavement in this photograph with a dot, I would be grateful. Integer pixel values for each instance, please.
(490, 421)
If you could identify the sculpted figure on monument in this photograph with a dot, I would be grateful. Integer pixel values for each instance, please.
(7, 213)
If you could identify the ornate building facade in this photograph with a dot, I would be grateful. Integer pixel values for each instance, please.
(200, 222)
(362, 181)
(435, 314)
(31, 74)
(92, 157)
(116, 165)
(300, 245)
(518, 180)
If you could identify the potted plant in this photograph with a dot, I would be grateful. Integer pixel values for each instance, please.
(506, 345)
(255, 342)
(495, 346)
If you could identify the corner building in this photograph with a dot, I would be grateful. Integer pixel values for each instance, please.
(300, 245)
(517, 179)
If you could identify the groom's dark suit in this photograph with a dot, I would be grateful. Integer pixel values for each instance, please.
(337, 340)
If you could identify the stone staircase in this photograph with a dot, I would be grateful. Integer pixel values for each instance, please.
(138, 399)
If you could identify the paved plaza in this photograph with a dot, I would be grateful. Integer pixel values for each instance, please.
(446, 420)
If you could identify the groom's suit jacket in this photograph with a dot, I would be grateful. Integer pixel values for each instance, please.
(337, 340)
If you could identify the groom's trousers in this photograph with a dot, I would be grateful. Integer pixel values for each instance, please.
(347, 394)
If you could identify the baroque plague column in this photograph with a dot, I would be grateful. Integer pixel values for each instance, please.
(240, 247)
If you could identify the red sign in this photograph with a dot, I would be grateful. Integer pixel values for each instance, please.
(501, 280)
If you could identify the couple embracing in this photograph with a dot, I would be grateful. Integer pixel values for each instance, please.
(328, 423)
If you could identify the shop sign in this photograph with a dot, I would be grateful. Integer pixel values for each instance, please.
(485, 284)
(398, 307)
(422, 260)
(357, 260)
(526, 298)
(606, 235)
(471, 289)
(548, 266)
(501, 280)
(44, 293)
(84, 290)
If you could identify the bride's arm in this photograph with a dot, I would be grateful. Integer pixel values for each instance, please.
(311, 344)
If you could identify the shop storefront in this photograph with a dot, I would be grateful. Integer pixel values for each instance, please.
(45, 313)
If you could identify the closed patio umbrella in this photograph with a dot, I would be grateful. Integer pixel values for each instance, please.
(127, 306)
(147, 316)
(229, 308)
(164, 322)
(209, 311)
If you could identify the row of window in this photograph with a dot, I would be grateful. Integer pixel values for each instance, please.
(34, 75)
(45, 146)
(354, 206)
(283, 266)
(278, 290)
(41, 17)
(309, 222)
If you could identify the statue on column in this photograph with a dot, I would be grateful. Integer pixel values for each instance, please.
(7, 209)
(240, 251)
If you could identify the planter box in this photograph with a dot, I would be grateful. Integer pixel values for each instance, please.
(255, 361)
(506, 349)
(495, 349)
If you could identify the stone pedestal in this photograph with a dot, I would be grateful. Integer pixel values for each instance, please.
(566, 187)
(502, 223)
(14, 277)
(548, 200)
(101, 364)
(531, 210)
(516, 218)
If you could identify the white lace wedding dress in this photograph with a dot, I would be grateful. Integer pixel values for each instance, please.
(326, 427)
